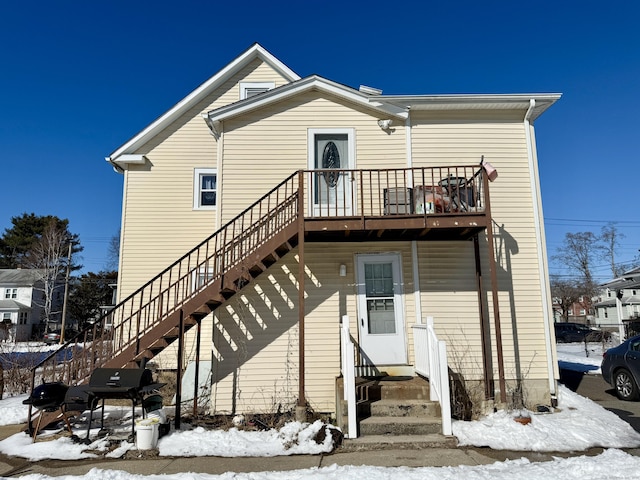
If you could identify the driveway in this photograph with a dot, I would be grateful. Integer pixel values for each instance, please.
(596, 389)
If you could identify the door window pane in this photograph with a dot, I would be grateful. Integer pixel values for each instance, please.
(382, 317)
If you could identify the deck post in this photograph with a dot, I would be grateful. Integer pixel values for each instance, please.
(302, 404)
(197, 373)
(494, 291)
(179, 370)
(485, 328)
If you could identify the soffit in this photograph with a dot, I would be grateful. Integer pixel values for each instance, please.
(473, 102)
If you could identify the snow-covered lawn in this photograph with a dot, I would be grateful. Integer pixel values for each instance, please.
(576, 425)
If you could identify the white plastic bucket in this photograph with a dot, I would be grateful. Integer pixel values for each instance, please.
(147, 433)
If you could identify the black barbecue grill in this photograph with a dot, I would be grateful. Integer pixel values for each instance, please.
(48, 397)
(120, 383)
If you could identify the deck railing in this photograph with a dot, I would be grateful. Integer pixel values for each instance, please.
(408, 191)
(348, 370)
(431, 362)
(326, 193)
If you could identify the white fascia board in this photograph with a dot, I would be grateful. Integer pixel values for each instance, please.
(310, 83)
(255, 51)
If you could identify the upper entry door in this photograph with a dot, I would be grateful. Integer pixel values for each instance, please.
(331, 186)
(380, 312)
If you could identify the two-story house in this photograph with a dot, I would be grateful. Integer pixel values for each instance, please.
(20, 304)
(270, 211)
(618, 305)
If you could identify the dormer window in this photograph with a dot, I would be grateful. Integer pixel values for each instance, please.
(250, 89)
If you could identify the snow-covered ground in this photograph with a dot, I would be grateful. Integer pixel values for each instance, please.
(577, 425)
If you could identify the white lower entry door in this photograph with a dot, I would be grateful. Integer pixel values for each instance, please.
(380, 310)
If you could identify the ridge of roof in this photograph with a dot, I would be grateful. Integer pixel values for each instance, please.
(310, 82)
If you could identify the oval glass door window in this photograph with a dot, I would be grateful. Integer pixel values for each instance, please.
(331, 160)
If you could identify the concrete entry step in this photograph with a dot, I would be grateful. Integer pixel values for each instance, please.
(400, 426)
(386, 442)
(405, 408)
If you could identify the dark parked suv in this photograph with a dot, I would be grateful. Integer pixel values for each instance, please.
(621, 368)
(577, 332)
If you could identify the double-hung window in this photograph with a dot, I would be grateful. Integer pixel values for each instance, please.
(205, 188)
(10, 293)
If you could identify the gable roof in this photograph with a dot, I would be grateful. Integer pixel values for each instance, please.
(18, 277)
(629, 279)
(125, 153)
(311, 83)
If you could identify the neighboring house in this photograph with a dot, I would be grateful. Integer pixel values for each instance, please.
(376, 206)
(20, 300)
(619, 303)
(580, 311)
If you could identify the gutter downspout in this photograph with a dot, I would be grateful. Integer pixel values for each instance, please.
(543, 268)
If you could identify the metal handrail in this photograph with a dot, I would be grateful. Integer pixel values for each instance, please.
(328, 193)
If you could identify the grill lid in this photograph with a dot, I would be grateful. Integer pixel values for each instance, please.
(125, 378)
(48, 396)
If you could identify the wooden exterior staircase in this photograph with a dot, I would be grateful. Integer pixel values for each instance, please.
(178, 298)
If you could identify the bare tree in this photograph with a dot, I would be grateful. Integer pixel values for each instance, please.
(565, 294)
(610, 239)
(577, 253)
(113, 253)
(48, 258)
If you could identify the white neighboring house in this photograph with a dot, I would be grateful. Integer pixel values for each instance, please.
(619, 302)
(20, 298)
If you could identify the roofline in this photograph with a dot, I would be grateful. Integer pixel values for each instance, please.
(312, 82)
(255, 51)
(460, 101)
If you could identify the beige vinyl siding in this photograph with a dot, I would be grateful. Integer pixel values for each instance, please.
(159, 195)
(260, 364)
(461, 138)
(264, 147)
(159, 222)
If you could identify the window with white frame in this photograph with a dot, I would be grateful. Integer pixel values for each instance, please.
(10, 293)
(205, 188)
(6, 317)
(201, 277)
(583, 311)
(250, 89)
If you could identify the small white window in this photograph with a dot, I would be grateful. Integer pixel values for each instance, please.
(583, 311)
(249, 89)
(11, 293)
(205, 188)
(201, 277)
(6, 317)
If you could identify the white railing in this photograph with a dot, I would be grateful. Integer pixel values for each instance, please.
(431, 362)
(348, 370)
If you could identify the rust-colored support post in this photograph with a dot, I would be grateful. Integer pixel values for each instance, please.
(179, 370)
(494, 292)
(301, 275)
(485, 329)
(197, 373)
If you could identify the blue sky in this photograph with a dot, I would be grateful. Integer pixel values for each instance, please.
(79, 78)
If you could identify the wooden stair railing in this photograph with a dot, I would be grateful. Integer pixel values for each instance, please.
(146, 322)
